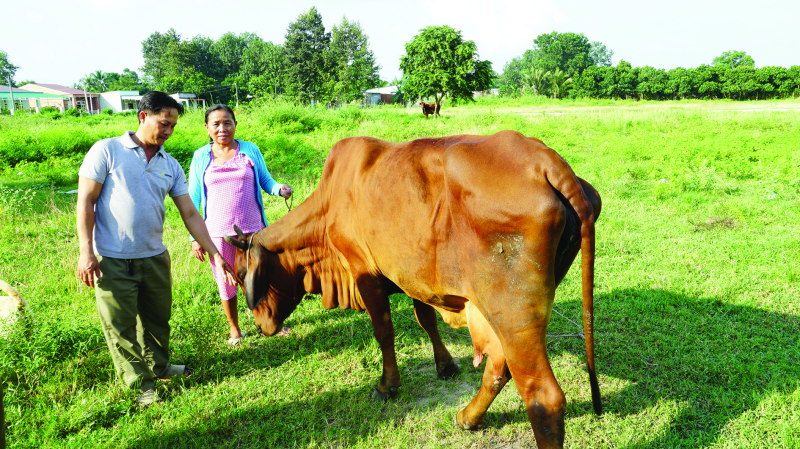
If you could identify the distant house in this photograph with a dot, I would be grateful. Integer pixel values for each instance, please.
(189, 100)
(495, 91)
(120, 100)
(380, 95)
(25, 100)
(74, 98)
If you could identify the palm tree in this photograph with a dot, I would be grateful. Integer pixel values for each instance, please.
(537, 80)
(99, 80)
(560, 83)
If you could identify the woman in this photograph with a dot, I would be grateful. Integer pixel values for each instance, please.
(225, 182)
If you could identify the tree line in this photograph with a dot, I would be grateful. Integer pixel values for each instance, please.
(568, 65)
(314, 65)
(311, 65)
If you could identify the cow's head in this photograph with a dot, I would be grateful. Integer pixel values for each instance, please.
(268, 287)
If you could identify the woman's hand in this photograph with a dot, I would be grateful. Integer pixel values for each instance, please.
(198, 251)
(286, 191)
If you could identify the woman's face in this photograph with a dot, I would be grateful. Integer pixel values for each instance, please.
(221, 127)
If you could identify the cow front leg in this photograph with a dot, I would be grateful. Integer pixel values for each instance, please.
(376, 301)
(389, 384)
(426, 317)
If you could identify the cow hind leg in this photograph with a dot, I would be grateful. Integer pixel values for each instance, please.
(426, 317)
(544, 400)
(495, 377)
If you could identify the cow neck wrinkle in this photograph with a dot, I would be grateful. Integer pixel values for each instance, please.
(300, 234)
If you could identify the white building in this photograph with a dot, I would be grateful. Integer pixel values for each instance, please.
(384, 94)
(189, 100)
(120, 100)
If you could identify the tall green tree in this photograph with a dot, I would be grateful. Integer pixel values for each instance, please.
(262, 69)
(201, 55)
(600, 55)
(439, 63)
(127, 80)
(570, 52)
(620, 81)
(305, 47)
(7, 69)
(512, 80)
(153, 50)
(353, 64)
(733, 59)
(651, 83)
(229, 51)
(590, 82)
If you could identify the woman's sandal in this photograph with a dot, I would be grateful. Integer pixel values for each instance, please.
(234, 341)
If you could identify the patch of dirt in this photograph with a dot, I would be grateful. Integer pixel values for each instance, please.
(714, 222)
(448, 393)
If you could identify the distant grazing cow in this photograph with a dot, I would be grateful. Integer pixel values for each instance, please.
(480, 228)
(428, 109)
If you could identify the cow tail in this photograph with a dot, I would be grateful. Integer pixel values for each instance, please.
(563, 179)
(587, 282)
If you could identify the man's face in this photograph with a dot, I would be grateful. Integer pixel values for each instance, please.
(156, 128)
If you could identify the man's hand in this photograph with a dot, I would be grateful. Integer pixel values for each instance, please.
(286, 191)
(230, 277)
(198, 251)
(88, 268)
(88, 192)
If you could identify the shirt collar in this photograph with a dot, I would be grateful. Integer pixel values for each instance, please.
(127, 142)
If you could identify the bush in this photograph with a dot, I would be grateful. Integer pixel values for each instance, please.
(107, 111)
(72, 112)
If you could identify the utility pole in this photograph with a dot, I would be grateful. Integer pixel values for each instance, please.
(86, 98)
(11, 91)
(237, 95)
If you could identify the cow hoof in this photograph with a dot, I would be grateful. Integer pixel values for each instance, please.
(462, 422)
(380, 396)
(448, 371)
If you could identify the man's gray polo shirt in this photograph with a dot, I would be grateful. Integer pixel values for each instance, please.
(129, 214)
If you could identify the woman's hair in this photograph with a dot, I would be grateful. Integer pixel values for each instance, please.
(217, 107)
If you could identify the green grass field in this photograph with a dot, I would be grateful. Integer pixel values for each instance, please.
(696, 298)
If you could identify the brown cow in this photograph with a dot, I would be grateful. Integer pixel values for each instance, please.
(480, 228)
(428, 109)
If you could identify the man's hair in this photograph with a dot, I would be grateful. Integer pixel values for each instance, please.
(154, 102)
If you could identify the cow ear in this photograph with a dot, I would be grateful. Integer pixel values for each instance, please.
(236, 242)
(239, 232)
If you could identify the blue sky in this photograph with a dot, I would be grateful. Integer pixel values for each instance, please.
(60, 41)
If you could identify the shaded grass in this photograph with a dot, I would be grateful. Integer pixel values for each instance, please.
(696, 303)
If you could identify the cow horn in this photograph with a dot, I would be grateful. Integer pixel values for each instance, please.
(237, 243)
(238, 231)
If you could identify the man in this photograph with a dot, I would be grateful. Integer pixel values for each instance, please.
(122, 185)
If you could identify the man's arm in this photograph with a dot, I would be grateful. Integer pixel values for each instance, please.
(88, 192)
(197, 227)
